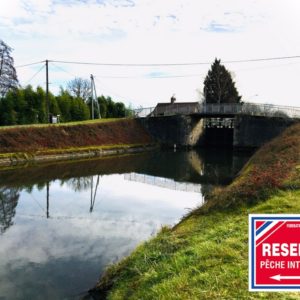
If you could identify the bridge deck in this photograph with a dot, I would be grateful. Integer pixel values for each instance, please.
(219, 110)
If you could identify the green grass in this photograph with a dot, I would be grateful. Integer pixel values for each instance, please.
(106, 120)
(72, 137)
(88, 148)
(205, 256)
(202, 258)
(70, 150)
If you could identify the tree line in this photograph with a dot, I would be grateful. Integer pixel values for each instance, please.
(29, 106)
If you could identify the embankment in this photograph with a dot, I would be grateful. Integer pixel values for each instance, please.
(40, 143)
(205, 256)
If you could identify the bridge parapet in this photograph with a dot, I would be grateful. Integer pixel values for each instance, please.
(252, 109)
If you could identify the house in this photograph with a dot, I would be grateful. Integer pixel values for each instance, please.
(174, 108)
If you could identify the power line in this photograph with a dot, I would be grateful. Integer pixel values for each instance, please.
(30, 64)
(43, 66)
(161, 64)
(132, 77)
(58, 67)
(150, 77)
(111, 91)
(262, 59)
(96, 78)
(174, 64)
(268, 67)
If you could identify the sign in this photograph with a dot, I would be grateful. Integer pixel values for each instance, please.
(274, 252)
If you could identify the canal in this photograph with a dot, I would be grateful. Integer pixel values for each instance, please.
(61, 224)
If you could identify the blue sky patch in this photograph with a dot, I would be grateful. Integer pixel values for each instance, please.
(220, 28)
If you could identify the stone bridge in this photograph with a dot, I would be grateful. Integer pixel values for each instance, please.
(189, 124)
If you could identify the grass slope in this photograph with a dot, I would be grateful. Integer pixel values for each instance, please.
(206, 255)
(111, 132)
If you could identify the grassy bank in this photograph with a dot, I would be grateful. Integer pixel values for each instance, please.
(19, 143)
(206, 255)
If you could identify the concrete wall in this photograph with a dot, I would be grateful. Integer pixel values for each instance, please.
(184, 131)
(188, 131)
(252, 132)
(214, 137)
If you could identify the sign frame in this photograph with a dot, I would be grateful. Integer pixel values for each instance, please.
(277, 286)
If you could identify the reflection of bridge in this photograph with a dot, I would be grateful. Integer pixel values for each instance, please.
(164, 182)
(223, 109)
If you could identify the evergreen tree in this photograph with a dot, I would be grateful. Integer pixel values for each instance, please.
(53, 105)
(64, 101)
(111, 110)
(120, 110)
(41, 105)
(103, 106)
(31, 111)
(79, 110)
(7, 112)
(28, 106)
(219, 86)
(8, 75)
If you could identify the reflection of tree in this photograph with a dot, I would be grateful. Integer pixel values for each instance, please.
(79, 184)
(8, 203)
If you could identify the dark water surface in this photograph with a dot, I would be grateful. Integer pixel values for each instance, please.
(62, 224)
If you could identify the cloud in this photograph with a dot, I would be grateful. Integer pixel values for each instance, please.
(129, 31)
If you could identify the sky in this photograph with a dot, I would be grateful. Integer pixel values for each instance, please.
(157, 32)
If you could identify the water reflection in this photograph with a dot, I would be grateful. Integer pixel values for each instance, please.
(61, 224)
(164, 182)
(8, 202)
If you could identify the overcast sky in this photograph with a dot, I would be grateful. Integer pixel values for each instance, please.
(158, 32)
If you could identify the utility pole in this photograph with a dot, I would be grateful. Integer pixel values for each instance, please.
(92, 189)
(47, 92)
(47, 212)
(94, 93)
(96, 98)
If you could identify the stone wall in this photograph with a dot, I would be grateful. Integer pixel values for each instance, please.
(188, 131)
(253, 132)
(183, 131)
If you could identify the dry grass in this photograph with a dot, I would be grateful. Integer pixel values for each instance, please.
(29, 139)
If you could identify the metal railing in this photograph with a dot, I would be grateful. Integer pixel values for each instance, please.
(253, 109)
(219, 122)
(164, 182)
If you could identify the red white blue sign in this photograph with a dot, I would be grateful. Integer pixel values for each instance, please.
(274, 252)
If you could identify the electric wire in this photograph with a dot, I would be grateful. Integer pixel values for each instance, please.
(60, 68)
(131, 77)
(111, 91)
(150, 77)
(96, 78)
(173, 64)
(35, 74)
(37, 203)
(30, 64)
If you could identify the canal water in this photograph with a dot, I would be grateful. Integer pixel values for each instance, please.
(62, 224)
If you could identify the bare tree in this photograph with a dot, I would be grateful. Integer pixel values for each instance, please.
(79, 88)
(8, 74)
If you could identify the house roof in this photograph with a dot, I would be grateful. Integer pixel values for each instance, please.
(165, 108)
(175, 104)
